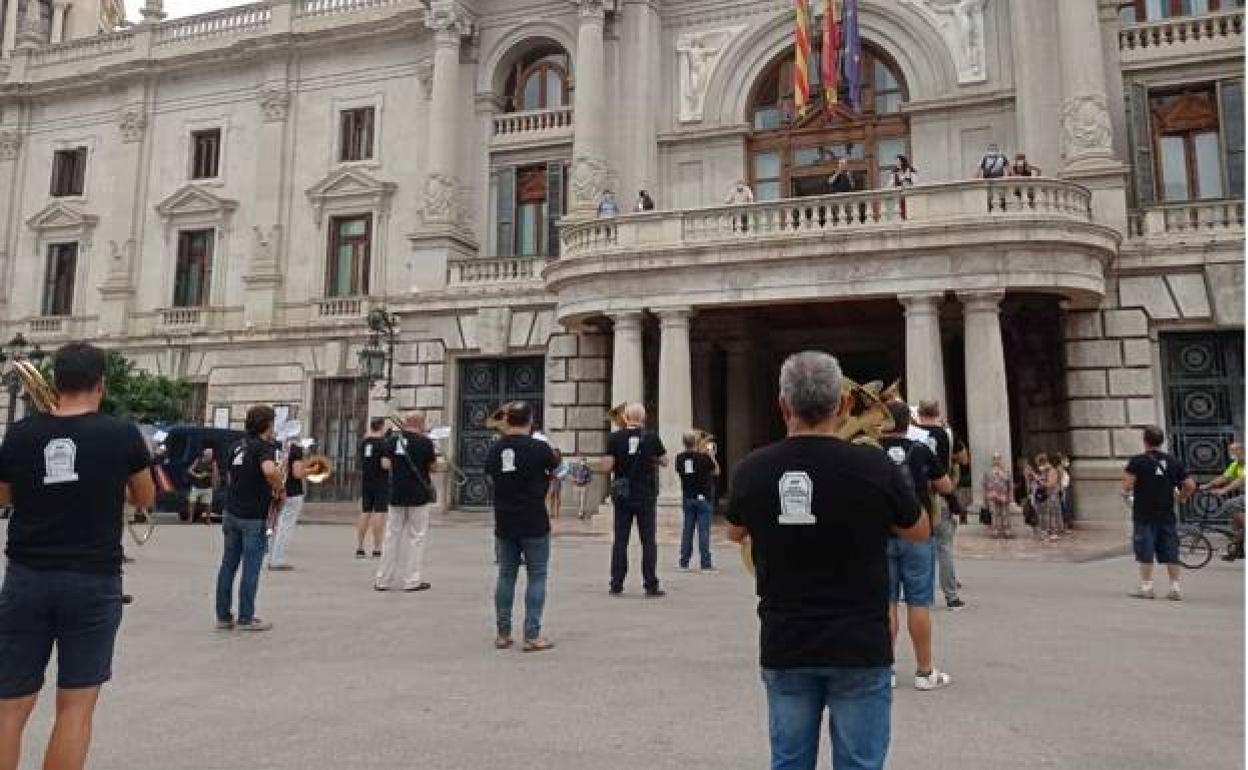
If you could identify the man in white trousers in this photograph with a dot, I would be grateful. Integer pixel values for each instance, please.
(291, 507)
(409, 457)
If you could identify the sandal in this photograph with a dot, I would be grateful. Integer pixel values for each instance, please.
(537, 645)
(503, 642)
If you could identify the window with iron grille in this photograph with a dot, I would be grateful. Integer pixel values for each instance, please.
(355, 141)
(58, 279)
(205, 153)
(69, 171)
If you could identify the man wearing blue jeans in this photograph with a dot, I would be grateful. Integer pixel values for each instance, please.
(254, 483)
(817, 512)
(697, 468)
(520, 467)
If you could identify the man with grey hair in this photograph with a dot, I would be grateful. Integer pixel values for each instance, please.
(817, 512)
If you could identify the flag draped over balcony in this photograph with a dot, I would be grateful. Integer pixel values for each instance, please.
(830, 58)
(801, 54)
(852, 54)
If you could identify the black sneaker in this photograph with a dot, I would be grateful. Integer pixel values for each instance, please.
(615, 591)
(955, 604)
(376, 554)
(655, 593)
(359, 554)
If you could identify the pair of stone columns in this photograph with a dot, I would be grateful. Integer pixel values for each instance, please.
(675, 381)
(987, 394)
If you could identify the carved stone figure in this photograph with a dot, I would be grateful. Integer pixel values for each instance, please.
(119, 258)
(10, 143)
(441, 199)
(132, 121)
(447, 19)
(274, 102)
(961, 24)
(589, 179)
(424, 75)
(1085, 125)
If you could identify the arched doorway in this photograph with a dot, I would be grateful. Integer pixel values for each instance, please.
(793, 156)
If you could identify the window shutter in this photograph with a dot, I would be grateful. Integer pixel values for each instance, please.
(1231, 97)
(1141, 137)
(554, 206)
(505, 212)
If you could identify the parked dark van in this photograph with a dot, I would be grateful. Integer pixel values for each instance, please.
(182, 444)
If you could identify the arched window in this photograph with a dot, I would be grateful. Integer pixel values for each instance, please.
(539, 80)
(795, 156)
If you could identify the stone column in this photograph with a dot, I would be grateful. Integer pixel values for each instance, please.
(925, 361)
(1033, 27)
(10, 27)
(641, 37)
(626, 360)
(124, 217)
(442, 182)
(675, 395)
(263, 277)
(987, 395)
(739, 374)
(703, 368)
(58, 21)
(1087, 140)
(589, 157)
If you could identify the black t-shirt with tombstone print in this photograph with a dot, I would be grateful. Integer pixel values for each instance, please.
(695, 470)
(249, 492)
(819, 512)
(520, 467)
(922, 463)
(635, 451)
(1157, 476)
(68, 479)
(411, 456)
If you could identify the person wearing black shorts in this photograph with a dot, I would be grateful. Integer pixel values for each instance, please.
(67, 476)
(374, 488)
(1155, 478)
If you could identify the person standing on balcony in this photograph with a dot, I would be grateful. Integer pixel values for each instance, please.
(904, 174)
(993, 164)
(739, 193)
(607, 207)
(841, 180)
(644, 201)
(1022, 168)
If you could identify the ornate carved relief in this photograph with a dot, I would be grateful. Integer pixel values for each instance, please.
(593, 7)
(424, 75)
(698, 53)
(589, 179)
(274, 103)
(442, 204)
(1085, 125)
(132, 121)
(10, 143)
(961, 25)
(448, 20)
(267, 242)
(119, 259)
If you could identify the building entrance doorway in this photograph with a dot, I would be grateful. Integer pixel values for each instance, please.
(484, 385)
(339, 413)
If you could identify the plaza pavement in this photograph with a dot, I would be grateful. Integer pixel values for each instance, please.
(1054, 667)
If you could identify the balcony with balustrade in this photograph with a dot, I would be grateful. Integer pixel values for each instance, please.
(1028, 235)
(532, 128)
(1165, 42)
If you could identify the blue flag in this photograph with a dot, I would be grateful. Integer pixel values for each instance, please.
(853, 55)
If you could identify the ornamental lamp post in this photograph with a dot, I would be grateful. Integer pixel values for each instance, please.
(376, 361)
(15, 350)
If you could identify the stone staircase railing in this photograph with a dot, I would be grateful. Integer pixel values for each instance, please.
(1183, 35)
(226, 22)
(474, 272)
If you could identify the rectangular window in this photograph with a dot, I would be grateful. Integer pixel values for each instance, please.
(1174, 169)
(348, 264)
(193, 277)
(1232, 119)
(1208, 165)
(531, 184)
(767, 176)
(58, 280)
(205, 153)
(69, 171)
(1152, 10)
(355, 141)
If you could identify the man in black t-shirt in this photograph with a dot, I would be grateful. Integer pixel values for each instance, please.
(374, 487)
(818, 512)
(520, 467)
(409, 457)
(634, 455)
(697, 471)
(67, 476)
(945, 527)
(255, 481)
(911, 565)
(203, 476)
(292, 460)
(1155, 478)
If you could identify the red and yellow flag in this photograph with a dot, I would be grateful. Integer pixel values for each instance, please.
(830, 55)
(801, 54)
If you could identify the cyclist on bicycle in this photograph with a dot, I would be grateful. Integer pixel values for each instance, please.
(1231, 486)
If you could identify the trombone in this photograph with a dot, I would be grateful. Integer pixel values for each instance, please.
(437, 435)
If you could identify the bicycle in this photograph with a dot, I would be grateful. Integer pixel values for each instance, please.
(1195, 548)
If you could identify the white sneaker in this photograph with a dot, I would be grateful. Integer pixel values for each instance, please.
(1175, 595)
(933, 681)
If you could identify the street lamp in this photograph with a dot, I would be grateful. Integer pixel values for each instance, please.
(376, 361)
(15, 350)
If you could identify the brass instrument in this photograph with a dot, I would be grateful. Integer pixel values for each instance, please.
(867, 421)
(497, 421)
(705, 443)
(317, 469)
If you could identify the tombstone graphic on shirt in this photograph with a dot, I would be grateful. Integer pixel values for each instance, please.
(58, 461)
(508, 459)
(368, 450)
(796, 494)
(688, 466)
(634, 443)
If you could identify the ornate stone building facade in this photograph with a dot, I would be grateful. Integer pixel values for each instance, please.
(225, 197)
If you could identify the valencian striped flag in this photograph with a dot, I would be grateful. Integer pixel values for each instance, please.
(801, 65)
(830, 58)
(852, 55)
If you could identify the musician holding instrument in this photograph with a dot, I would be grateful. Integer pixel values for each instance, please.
(634, 455)
(520, 466)
(255, 487)
(409, 457)
(374, 489)
(67, 474)
(817, 512)
(294, 471)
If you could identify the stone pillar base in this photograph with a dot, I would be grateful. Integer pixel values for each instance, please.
(1098, 490)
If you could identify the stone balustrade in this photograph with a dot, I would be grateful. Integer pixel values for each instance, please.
(494, 271)
(1181, 36)
(817, 216)
(330, 7)
(182, 318)
(223, 23)
(1220, 220)
(47, 325)
(533, 126)
(84, 48)
(340, 308)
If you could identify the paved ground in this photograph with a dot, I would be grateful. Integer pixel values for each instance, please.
(1054, 668)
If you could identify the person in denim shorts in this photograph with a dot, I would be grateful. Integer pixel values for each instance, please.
(67, 475)
(912, 565)
(1154, 479)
